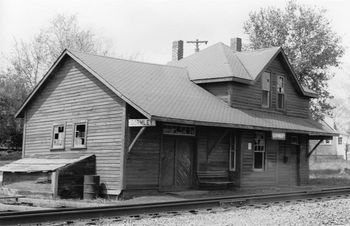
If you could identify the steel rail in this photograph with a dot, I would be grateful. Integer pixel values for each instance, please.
(64, 214)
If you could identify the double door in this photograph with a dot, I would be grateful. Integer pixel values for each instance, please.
(176, 163)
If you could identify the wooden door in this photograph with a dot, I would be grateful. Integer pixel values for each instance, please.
(176, 163)
(287, 165)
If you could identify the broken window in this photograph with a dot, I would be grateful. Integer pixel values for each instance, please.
(265, 82)
(280, 92)
(79, 139)
(58, 136)
(259, 152)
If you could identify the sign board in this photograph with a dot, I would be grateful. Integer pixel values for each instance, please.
(179, 130)
(141, 122)
(278, 136)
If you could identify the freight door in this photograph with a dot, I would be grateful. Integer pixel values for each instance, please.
(176, 163)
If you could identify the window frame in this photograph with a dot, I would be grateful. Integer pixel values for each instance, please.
(340, 140)
(263, 90)
(233, 150)
(64, 136)
(282, 92)
(259, 151)
(75, 124)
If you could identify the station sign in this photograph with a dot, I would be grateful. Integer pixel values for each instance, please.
(141, 122)
(278, 136)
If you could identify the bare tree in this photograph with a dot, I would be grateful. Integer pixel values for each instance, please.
(31, 60)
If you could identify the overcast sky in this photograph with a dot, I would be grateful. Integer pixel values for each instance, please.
(148, 27)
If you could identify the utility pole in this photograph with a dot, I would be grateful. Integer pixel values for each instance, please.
(197, 42)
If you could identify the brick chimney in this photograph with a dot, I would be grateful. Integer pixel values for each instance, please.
(178, 50)
(236, 44)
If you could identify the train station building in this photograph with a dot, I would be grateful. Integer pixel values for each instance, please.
(217, 118)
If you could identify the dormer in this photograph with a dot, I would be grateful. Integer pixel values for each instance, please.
(259, 79)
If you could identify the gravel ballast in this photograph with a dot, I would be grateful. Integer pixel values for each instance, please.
(320, 212)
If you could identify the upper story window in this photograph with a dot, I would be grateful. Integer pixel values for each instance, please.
(327, 142)
(58, 136)
(259, 152)
(265, 83)
(280, 92)
(79, 135)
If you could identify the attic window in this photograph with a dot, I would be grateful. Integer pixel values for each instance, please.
(280, 92)
(80, 132)
(265, 83)
(58, 135)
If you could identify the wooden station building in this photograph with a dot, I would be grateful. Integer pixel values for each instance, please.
(217, 117)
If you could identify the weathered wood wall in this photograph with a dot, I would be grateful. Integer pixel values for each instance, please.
(281, 162)
(250, 96)
(72, 94)
(142, 165)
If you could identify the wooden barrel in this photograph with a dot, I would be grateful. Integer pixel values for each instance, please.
(91, 186)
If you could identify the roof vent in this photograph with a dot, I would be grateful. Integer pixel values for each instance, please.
(236, 44)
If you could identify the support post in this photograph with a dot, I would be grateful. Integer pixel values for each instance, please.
(54, 183)
(137, 137)
(314, 148)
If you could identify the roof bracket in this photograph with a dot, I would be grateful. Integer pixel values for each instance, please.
(218, 141)
(137, 137)
(314, 148)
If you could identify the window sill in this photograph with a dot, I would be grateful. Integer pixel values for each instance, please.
(78, 148)
(57, 149)
(259, 170)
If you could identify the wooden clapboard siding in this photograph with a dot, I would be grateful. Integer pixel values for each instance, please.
(142, 165)
(277, 172)
(249, 96)
(70, 95)
(219, 89)
(249, 177)
(218, 158)
(296, 104)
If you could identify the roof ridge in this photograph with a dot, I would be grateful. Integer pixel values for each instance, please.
(131, 61)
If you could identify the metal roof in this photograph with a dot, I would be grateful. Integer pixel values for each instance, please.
(42, 163)
(165, 93)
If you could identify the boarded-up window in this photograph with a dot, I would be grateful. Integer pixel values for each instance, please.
(280, 92)
(259, 152)
(80, 132)
(233, 151)
(58, 136)
(265, 83)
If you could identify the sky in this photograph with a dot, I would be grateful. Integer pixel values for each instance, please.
(147, 27)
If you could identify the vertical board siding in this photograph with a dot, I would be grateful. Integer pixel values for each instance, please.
(142, 165)
(70, 95)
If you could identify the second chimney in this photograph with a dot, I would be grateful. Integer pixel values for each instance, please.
(178, 50)
(236, 44)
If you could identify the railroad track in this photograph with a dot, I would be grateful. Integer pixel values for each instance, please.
(54, 215)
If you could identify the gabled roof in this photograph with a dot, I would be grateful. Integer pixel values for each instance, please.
(165, 93)
(219, 63)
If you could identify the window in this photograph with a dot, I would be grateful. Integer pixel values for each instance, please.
(328, 142)
(233, 151)
(280, 92)
(340, 140)
(259, 152)
(294, 140)
(265, 83)
(58, 135)
(79, 136)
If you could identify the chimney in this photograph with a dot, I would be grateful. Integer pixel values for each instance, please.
(236, 44)
(178, 50)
